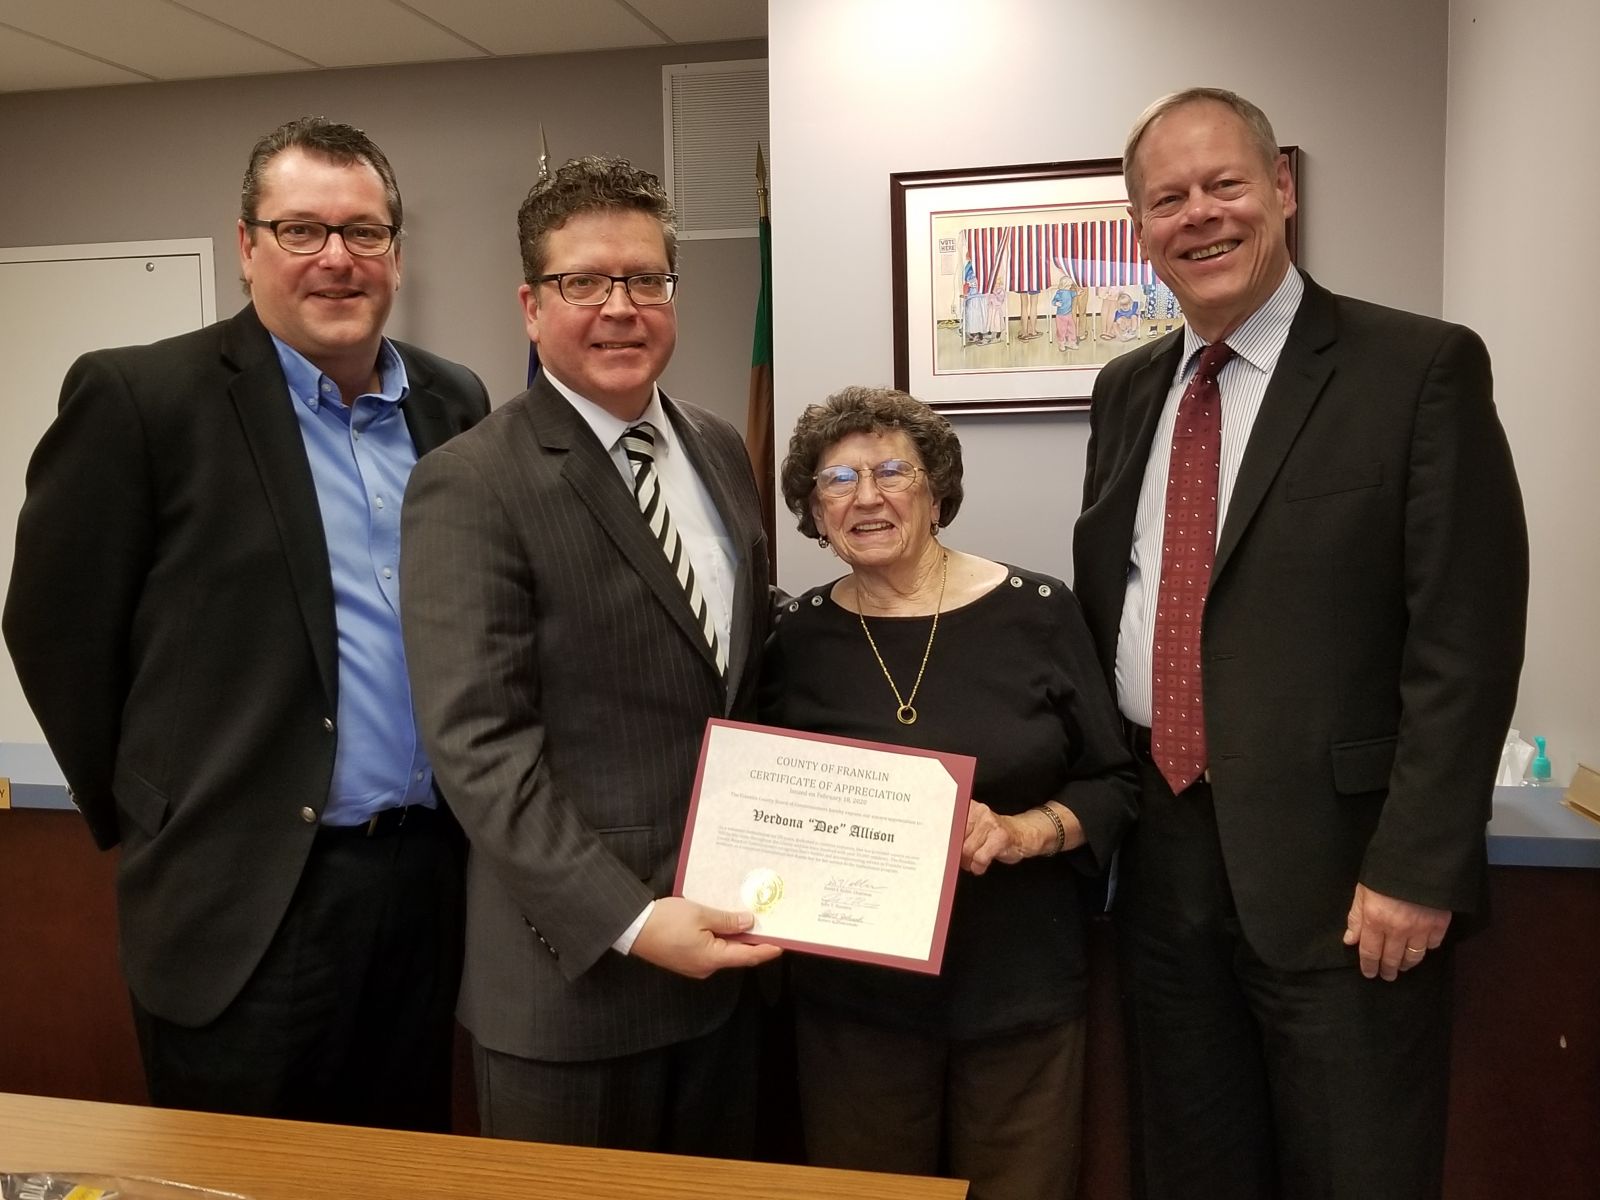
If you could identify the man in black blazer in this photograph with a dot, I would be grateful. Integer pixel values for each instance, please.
(566, 653)
(203, 613)
(1285, 917)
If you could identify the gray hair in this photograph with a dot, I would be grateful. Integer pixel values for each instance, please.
(1255, 123)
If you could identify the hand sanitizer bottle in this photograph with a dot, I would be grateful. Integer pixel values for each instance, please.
(1539, 769)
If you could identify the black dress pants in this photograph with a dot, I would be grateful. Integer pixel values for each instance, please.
(693, 1097)
(1251, 1082)
(349, 1018)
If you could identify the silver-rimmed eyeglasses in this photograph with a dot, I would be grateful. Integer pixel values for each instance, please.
(364, 239)
(588, 287)
(891, 475)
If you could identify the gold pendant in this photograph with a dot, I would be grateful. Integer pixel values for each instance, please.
(906, 715)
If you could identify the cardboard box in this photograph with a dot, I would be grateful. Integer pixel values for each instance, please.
(1583, 794)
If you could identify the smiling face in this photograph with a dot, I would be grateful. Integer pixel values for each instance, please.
(330, 306)
(873, 529)
(1210, 215)
(611, 353)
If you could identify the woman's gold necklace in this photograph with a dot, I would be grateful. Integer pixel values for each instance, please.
(906, 714)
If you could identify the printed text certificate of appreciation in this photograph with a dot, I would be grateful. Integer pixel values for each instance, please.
(839, 847)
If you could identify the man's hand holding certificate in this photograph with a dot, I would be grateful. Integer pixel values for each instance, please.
(837, 846)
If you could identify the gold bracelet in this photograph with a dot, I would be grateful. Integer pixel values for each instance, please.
(1061, 830)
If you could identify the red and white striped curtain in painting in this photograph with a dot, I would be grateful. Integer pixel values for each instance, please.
(988, 249)
(1095, 253)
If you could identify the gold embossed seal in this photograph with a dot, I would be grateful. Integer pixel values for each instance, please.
(761, 890)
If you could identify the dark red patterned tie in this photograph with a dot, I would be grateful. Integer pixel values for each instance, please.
(1188, 548)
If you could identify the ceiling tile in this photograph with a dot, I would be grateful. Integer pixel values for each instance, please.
(27, 64)
(705, 20)
(150, 36)
(350, 33)
(541, 26)
(137, 40)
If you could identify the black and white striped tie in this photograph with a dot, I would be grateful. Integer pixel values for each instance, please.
(639, 444)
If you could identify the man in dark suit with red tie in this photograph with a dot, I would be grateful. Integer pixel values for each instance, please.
(1303, 556)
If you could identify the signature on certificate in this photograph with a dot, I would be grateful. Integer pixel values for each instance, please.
(854, 894)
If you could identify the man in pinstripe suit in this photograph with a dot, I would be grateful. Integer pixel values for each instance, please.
(564, 670)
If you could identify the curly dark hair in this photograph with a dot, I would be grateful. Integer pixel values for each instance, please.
(333, 140)
(588, 184)
(871, 410)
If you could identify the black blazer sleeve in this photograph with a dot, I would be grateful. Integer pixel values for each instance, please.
(84, 543)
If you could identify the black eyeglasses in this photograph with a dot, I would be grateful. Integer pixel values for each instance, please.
(365, 239)
(588, 287)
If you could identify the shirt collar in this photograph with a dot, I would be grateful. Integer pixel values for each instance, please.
(1260, 339)
(609, 428)
(311, 387)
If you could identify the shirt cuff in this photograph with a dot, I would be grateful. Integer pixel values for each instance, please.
(624, 942)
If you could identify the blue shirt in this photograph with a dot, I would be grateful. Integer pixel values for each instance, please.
(361, 457)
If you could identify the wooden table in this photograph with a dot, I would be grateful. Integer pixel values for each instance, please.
(290, 1160)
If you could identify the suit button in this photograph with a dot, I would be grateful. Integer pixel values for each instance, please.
(327, 724)
(308, 815)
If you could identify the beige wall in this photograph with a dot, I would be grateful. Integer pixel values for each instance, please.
(164, 161)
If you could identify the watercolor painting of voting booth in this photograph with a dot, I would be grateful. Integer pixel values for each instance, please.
(1013, 286)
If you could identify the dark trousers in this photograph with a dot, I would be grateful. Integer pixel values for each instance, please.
(1004, 1112)
(349, 1018)
(1252, 1082)
(694, 1097)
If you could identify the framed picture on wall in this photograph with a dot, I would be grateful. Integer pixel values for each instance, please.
(1014, 285)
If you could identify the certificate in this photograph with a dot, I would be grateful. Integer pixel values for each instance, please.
(838, 847)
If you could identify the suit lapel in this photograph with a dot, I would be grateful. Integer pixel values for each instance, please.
(261, 398)
(590, 471)
(1139, 412)
(1297, 381)
(426, 413)
(1147, 396)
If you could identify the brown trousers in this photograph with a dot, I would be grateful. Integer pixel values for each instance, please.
(1004, 1112)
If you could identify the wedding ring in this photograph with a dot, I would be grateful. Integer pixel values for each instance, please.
(1414, 950)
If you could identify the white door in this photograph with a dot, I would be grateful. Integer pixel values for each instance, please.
(57, 302)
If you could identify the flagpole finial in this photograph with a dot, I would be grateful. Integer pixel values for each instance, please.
(544, 154)
(762, 190)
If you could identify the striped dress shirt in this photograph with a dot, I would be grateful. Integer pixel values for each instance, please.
(1243, 383)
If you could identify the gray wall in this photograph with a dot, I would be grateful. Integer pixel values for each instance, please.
(165, 160)
(1522, 158)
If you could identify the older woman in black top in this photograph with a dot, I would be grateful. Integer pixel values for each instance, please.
(976, 1072)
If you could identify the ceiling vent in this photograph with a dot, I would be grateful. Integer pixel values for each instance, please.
(714, 114)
